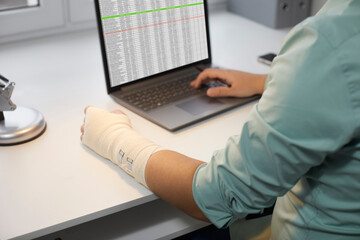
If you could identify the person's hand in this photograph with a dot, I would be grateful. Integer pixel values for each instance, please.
(82, 129)
(239, 84)
(111, 135)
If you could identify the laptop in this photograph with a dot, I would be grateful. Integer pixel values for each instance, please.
(152, 50)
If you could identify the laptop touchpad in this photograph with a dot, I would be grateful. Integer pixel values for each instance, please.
(199, 105)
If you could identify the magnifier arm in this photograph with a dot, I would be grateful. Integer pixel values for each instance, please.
(5, 94)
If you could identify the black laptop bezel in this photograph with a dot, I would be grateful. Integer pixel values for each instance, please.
(110, 89)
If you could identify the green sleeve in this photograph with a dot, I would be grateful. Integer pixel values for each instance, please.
(296, 124)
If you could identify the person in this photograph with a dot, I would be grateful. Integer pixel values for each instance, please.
(300, 145)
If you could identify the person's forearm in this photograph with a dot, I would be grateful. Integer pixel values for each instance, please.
(260, 82)
(170, 175)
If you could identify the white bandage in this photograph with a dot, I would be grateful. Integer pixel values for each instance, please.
(111, 136)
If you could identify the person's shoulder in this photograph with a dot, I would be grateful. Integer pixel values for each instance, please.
(337, 22)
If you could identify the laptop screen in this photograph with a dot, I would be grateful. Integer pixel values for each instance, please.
(146, 37)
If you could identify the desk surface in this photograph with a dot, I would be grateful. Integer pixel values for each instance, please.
(54, 182)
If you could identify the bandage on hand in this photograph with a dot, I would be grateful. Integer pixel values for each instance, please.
(112, 136)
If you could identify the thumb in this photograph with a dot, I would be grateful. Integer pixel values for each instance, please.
(219, 92)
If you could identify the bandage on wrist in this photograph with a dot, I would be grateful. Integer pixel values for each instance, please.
(111, 136)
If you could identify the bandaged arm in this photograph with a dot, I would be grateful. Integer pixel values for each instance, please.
(167, 173)
(112, 136)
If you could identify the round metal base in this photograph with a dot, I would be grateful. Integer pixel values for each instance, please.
(20, 126)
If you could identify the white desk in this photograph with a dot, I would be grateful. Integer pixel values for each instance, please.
(54, 182)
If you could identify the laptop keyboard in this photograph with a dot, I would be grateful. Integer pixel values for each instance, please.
(160, 95)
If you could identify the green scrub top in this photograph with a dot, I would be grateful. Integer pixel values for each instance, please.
(300, 145)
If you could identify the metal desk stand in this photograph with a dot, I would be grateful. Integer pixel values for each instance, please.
(17, 124)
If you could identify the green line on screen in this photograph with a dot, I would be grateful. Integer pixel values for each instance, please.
(153, 10)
